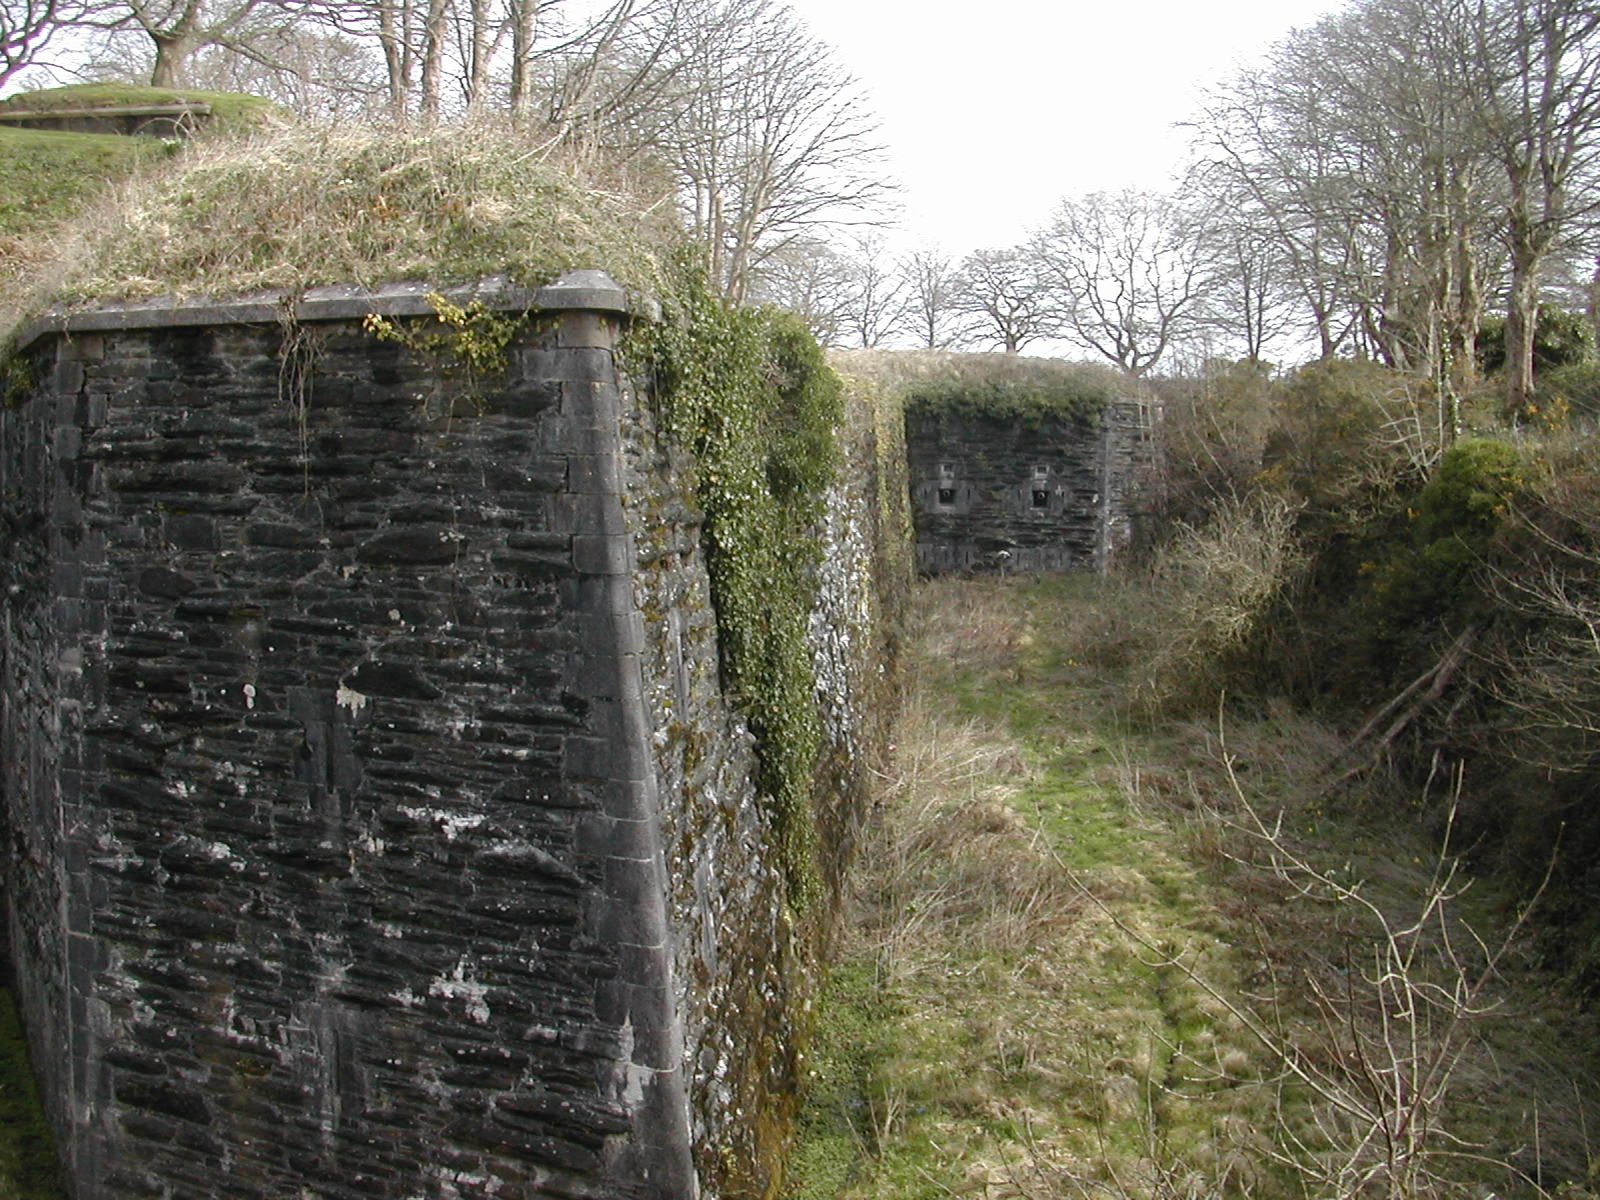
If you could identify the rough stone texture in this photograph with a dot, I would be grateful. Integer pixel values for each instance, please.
(346, 691)
(376, 823)
(991, 495)
(746, 963)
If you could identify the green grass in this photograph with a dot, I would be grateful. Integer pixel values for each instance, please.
(27, 1156)
(845, 1061)
(1059, 947)
(46, 177)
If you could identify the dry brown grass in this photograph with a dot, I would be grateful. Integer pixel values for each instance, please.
(292, 206)
(958, 860)
(957, 855)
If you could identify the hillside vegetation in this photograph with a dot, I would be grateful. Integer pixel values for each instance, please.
(49, 178)
(280, 206)
(1435, 598)
(1265, 866)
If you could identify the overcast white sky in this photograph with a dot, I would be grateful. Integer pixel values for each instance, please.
(994, 109)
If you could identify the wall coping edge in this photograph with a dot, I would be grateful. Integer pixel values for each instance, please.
(575, 291)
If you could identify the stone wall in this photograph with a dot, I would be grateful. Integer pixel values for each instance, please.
(746, 962)
(376, 822)
(992, 494)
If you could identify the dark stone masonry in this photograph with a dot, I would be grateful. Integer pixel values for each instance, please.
(375, 821)
(998, 495)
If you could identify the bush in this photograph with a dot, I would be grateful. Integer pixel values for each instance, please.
(1573, 388)
(1211, 588)
(1428, 583)
(1212, 432)
(1560, 338)
(1349, 435)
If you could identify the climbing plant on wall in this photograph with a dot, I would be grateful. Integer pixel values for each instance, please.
(748, 392)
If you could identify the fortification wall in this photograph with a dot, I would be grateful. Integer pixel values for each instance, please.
(376, 822)
(1002, 494)
(746, 961)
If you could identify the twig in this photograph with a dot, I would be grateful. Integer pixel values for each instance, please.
(1431, 684)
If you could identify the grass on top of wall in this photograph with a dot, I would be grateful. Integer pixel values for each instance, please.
(291, 207)
(1007, 387)
(46, 177)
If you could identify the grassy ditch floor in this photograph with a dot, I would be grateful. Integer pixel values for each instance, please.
(1096, 952)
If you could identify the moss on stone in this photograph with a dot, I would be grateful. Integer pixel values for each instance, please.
(748, 392)
(27, 1155)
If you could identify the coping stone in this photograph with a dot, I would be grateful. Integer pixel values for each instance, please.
(576, 291)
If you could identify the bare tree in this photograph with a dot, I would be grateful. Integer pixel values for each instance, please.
(1248, 298)
(877, 300)
(314, 71)
(1539, 62)
(769, 137)
(26, 27)
(1004, 300)
(1125, 273)
(931, 278)
(810, 279)
(178, 30)
(1404, 154)
(1267, 135)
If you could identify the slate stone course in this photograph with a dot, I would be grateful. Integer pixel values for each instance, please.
(995, 495)
(376, 823)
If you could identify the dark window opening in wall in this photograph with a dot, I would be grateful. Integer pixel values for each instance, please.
(947, 496)
(1041, 498)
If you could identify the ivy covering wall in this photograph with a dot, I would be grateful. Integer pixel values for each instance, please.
(748, 392)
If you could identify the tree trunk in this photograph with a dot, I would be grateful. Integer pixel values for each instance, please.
(172, 60)
(478, 68)
(1468, 308)
(1594, 302)
(1522, 315)
(433, 58)
(396, 57)
(1327, 344)
(524, 27)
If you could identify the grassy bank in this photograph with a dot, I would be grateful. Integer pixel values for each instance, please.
(1077, 967)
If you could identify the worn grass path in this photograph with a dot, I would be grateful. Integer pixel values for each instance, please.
(1052, 956)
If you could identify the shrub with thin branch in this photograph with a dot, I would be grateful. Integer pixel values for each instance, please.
(1212, 585)
(1391, 1023)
